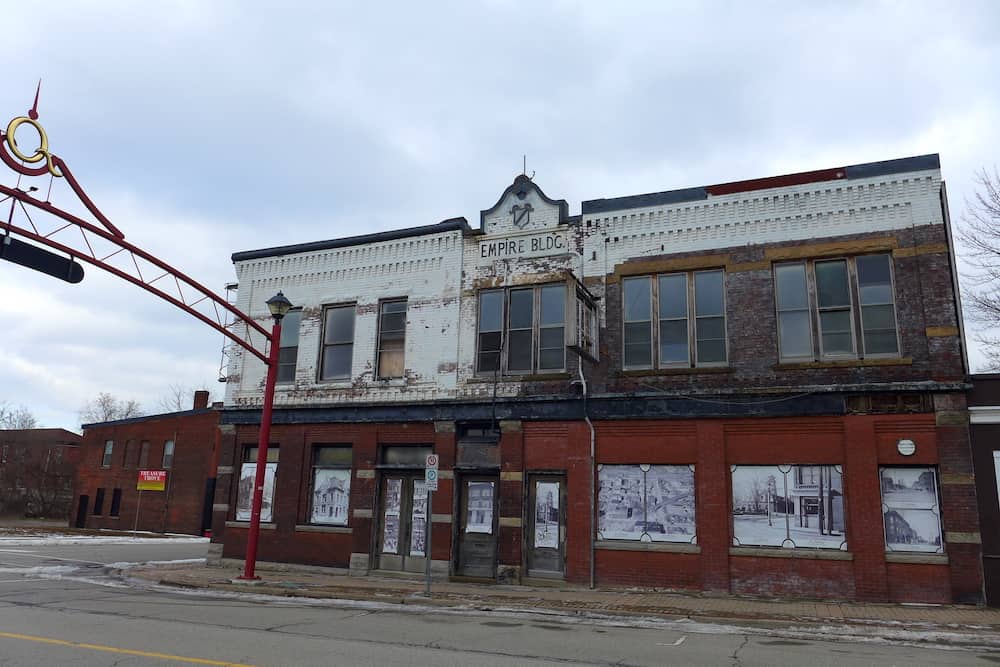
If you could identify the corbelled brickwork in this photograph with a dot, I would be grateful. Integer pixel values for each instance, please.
(753, 409)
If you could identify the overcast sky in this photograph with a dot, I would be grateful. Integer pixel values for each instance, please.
(204, 128)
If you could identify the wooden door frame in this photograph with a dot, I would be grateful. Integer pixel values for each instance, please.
(460, 511)
(528, 520)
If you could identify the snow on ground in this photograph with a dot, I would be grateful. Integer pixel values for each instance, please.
(48, 540)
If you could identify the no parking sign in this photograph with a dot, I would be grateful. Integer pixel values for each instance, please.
(431, 472)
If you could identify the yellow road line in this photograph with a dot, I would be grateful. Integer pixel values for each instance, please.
(111, 649)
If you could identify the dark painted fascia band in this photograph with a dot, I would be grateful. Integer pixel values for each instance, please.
(146, 418)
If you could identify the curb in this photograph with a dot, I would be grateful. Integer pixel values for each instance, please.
(794, 627)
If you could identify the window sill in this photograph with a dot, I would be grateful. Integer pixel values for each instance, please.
(846, 363)
(316, 528)
(246, 525)
(652, 372)
(917, 558)
(780, 552)
(669, 547)
(533, 377)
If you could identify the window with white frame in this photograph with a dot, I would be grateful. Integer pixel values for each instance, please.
(168, 454)
(338, 343)
(836, 308)
(288, 351)
(522, 330)
(331, 485)
(674, 320)
(109, 448)
(391, 339)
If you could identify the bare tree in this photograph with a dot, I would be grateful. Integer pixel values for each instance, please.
(36, 482)
(179, 397)
(107, 408)
(16, 418)
(980, 233)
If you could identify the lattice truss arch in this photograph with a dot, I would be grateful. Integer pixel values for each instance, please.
(98, 242)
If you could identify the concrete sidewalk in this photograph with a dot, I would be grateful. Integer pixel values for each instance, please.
(951, 624)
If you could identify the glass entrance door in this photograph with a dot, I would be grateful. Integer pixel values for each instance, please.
(546, 526)
(402, 530)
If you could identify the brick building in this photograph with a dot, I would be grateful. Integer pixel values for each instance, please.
(184, 444)
(37, 466)
(753, 387)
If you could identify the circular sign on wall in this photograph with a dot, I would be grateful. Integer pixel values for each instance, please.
(906, 447)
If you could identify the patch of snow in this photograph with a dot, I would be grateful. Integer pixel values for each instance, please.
(50, 540)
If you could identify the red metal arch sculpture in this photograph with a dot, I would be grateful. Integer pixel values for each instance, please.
(103, 245)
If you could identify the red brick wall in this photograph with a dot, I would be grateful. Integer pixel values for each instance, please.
(178, 509)
(860, 444)
(857, 443)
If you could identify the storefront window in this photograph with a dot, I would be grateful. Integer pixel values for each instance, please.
(248, 472)
(789, 506)
(331, 485)
(646, 503)
(910, 509)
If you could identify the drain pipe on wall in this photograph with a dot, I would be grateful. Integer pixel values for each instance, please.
(593, 471)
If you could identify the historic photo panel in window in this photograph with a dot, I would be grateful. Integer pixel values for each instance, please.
(646, 503)
(244, 493)
(788, 506)
(910, 510)
(330, 496)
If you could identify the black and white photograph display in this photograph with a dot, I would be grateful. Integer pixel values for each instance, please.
(910, 509)
(480, 517)
(547, 515)
(330, 496)
(390, 522)
(790, 506)
(418, 519)
(646, 503)
(244, 493)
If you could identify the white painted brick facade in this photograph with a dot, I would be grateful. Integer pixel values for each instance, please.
(440, 274)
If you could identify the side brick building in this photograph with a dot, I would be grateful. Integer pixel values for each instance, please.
(753, 387)
(184, 445)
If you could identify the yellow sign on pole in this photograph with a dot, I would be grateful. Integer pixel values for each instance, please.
(152, 480)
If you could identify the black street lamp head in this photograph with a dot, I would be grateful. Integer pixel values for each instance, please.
(279, 306)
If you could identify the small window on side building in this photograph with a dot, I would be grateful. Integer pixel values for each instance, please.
(116, 502)
(99, 502)
(109, 448)
(168, 454)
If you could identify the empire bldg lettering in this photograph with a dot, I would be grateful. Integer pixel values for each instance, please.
(534, 245)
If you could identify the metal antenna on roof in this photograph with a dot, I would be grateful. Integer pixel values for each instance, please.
(524, 167)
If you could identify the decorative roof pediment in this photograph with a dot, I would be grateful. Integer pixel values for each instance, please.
(523, 207)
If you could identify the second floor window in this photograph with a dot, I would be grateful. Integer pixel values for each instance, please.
(821, 295)
(674, 320)
(391, 338)
(338, 343)
(168, 454)
(522, 330)
(289, 346)
(144, 455)
(109, 448)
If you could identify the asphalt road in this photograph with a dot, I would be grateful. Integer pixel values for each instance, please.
(83, 617)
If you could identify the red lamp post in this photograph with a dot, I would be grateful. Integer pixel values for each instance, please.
(279, 306)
